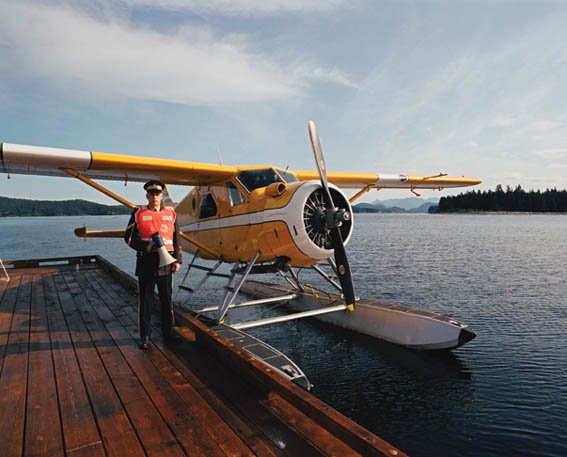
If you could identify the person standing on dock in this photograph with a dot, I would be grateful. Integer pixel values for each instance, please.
(145, 222)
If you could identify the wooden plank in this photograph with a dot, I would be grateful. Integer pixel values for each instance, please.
(226, 438)
(246, 398)
(255, 412)
(308, 428)
(14, 379)
(43, 435)
(81, 435)
(151, 429)
(117, 433)
(188, 430)
(249, 434)
(247, 431)
(3, 284)
(7, 304)
(244, 425)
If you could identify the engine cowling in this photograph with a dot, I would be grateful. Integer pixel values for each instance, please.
(306, 219)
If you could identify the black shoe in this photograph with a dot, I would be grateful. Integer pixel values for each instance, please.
(145, 343)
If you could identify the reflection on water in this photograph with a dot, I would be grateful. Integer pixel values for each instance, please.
(504, 393)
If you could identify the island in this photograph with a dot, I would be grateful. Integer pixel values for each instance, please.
(510, 200)
(13, 207)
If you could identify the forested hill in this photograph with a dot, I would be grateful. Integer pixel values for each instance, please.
(22, 207)
(514, 200)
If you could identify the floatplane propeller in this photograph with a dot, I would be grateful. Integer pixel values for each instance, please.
(327, 220)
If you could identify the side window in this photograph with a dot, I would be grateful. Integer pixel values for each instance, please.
(208, 206)
(234, 195)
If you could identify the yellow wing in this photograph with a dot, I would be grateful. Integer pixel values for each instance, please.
(390, 181)
(35, 160)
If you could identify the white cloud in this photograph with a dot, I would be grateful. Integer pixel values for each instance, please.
(545, 125)
(79, 54)
(95, 52)
(557, 166)
(505, 122)
(243, 7)
(333, 75)
(552, 153)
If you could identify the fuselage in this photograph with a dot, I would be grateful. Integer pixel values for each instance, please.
(260, 210)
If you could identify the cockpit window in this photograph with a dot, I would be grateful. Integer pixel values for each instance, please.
(289, 177)
(254, 179)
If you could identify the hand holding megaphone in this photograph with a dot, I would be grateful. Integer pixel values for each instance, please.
(165, 258)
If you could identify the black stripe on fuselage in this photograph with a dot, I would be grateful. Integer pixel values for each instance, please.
(184, 230)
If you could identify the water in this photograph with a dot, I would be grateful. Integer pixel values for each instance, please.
(504, 393)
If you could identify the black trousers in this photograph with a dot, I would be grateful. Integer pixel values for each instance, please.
(146, 287)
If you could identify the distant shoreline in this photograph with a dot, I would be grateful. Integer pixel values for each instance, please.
(468, 212)
(61, 215)
(509, 200)
(19, 207)
(505, 213)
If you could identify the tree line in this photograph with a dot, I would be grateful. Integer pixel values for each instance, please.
(548, 201)
(24, 207)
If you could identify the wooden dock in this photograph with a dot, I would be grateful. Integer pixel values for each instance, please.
(74, 382)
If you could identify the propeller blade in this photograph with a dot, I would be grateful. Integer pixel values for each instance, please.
(341, 260)
(343, 268)
(320, 162)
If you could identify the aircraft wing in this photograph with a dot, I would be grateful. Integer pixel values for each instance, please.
(82, 232)
(389, 181)
(35, 160)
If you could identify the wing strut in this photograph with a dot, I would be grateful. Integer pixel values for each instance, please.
(360, 193)
(98, 187)
(129, 204)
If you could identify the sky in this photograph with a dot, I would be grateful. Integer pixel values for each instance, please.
(473, 88)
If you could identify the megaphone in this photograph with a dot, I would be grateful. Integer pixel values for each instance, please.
(165, 258)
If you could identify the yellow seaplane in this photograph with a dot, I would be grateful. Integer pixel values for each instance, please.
(265, 219)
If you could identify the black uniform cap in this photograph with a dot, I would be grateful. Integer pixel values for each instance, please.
(154, 184)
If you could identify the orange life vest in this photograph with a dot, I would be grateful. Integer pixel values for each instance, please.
(162, 222)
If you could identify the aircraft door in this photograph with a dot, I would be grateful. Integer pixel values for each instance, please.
(235, 226)
(208, 222)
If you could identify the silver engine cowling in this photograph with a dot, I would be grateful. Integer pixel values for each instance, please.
(304, 219)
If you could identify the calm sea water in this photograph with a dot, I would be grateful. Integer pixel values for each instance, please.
(504, 393)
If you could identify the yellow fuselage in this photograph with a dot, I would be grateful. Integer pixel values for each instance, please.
(263, 222)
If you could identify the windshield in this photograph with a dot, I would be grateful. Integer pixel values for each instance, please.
(254, 179)
(288, 176)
